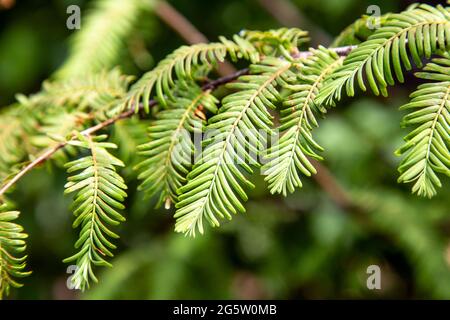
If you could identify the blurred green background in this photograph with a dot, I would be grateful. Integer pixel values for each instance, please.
(303, 246)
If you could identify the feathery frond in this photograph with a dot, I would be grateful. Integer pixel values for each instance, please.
(290, 154)
(216, 181)
(418, 32)
(427, 147)
(182, 62)
(12, 246)
(100, 191)
(170, 150)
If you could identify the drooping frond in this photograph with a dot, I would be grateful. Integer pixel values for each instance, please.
(289, 155)
(268, 41)
(427, 147)
(232, 140)
(100, 192)
(418, 32)
(170, 150)
(99, 42)
(181, 63)
(12, 246)
(92, 92)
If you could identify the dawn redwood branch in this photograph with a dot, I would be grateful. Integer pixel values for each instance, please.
(211, 85)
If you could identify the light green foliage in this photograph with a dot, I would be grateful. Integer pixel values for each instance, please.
(100, 192)
(427, 147)
(296, 144)
(170, 150)
(44, 119)
(12, 246)
(215, 183)
(418, 32)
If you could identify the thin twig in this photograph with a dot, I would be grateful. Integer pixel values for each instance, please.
(223, 80)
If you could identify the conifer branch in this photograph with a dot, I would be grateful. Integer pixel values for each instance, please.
(126, 114)
(211, 85)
